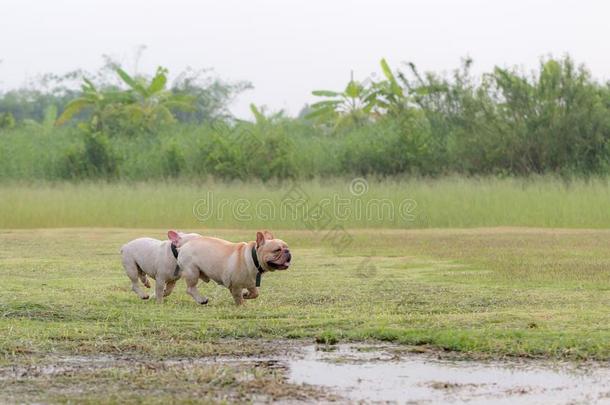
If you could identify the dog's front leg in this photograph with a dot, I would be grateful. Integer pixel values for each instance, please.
(251, 293)
(237, 294)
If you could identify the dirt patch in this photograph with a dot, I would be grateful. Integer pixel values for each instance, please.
(112, 379)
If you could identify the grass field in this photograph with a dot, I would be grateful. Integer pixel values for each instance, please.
(354, 203)
(487, 290)
(522, 292)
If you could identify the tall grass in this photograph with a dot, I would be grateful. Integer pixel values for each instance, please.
(452, 202)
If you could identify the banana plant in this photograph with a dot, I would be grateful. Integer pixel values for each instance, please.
(93, 99)
(389, 95)
(354, 103)
(144, 104)
(153, 103)
(360, 102)
(262, 117)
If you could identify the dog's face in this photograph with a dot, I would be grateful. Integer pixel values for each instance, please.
(273, 254)
(180, 238)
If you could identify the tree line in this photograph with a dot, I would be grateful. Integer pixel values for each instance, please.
(553, 120)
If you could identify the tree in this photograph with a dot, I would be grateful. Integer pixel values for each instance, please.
(144, 105)
(361, 101)
(353, 104)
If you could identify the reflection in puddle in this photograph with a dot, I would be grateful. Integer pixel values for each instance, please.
(378, 375)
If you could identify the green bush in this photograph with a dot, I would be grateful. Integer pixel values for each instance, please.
(388, 147)
(173, 160)
(95, 158)
(248, 151)
(554, 121)
(7, 120)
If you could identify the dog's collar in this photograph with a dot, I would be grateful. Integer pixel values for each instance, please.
(259, 269)
(175, 253)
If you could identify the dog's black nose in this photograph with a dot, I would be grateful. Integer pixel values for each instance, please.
(288, 257)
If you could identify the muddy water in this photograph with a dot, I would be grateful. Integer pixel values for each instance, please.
(374, 373)
(377, 374)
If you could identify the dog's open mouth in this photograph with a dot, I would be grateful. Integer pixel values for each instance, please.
(278, 266)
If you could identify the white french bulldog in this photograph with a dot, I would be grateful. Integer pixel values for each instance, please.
(157, 259)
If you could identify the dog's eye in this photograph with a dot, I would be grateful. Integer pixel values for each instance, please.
(277, 250)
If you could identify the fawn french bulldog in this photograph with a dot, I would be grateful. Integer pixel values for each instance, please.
(157, 259)
(236, 266)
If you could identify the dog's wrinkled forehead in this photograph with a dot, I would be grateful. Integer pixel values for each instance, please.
(274, 244)
(266, 242)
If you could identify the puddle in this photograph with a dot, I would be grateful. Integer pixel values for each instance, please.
(379, 375)
(375, 373)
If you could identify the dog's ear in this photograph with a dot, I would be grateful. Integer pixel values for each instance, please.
(174, 236)
(268, 235)
(260, 239)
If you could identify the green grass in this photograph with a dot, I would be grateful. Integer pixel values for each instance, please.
(486, 290)
(444, 203)
(483, 292)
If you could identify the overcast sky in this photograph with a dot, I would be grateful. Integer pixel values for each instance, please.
(289, 48)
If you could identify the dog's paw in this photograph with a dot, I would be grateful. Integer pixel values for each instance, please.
(145, 297)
